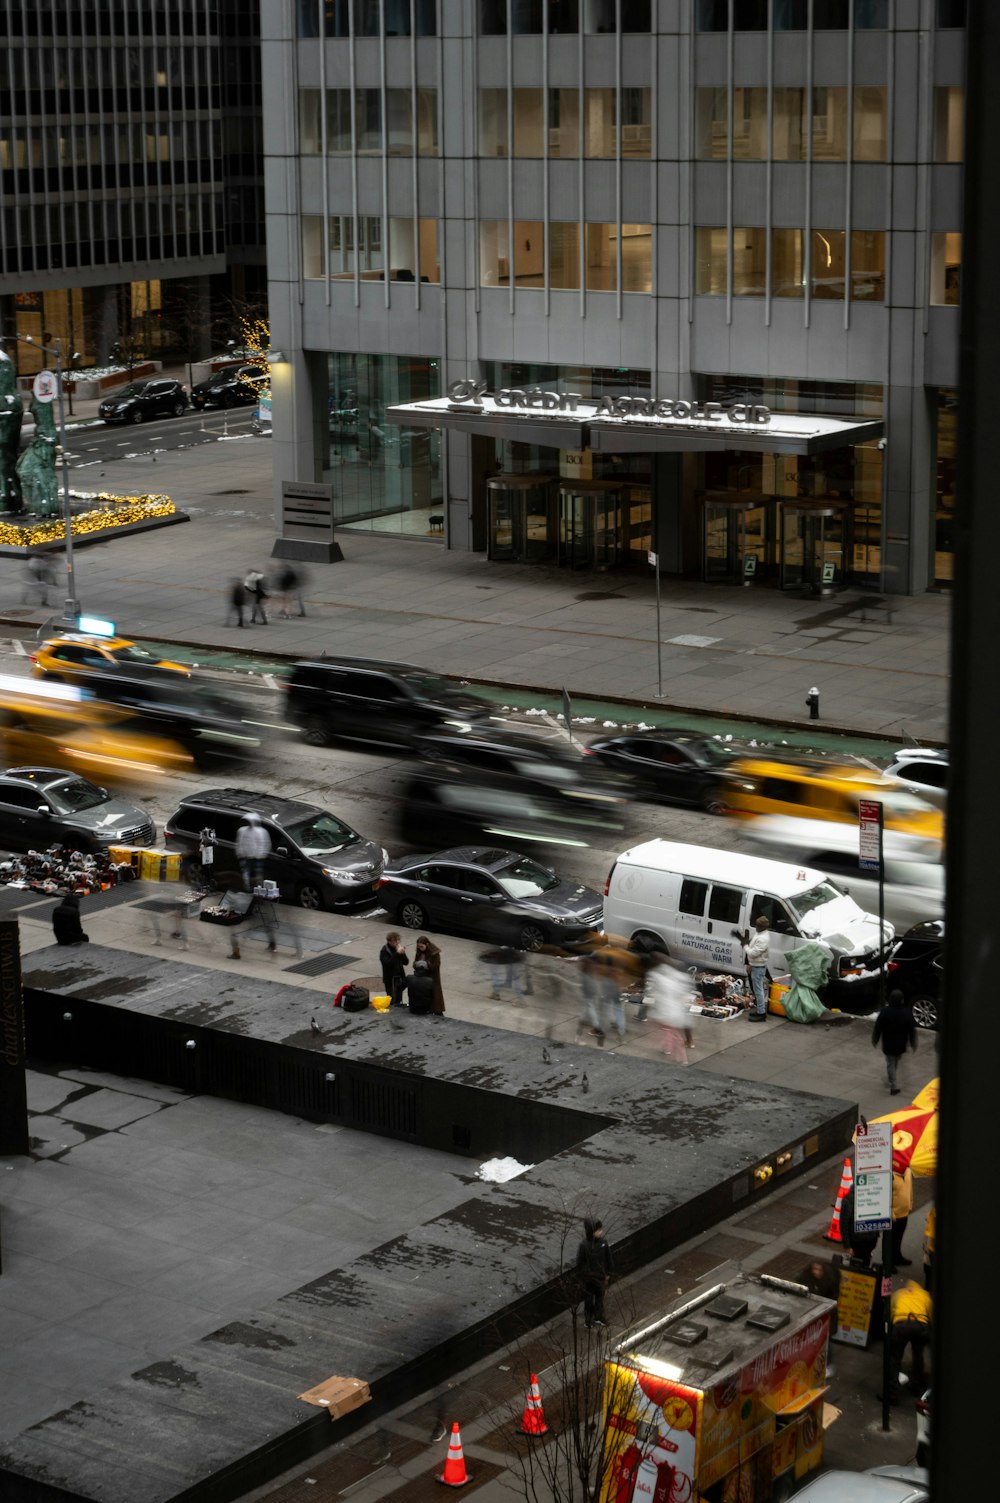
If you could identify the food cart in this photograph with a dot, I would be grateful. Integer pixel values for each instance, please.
(721, 1400)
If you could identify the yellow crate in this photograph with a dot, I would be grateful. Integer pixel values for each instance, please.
(780, 987)
(126, 855)
(160, 866)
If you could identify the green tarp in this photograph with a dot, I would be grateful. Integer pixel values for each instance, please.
(809, 967)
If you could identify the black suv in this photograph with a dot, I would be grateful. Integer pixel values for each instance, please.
(316, 860)
(361, 699)
(140, 400)
(43, 806)
(233, 387)
(198, 716)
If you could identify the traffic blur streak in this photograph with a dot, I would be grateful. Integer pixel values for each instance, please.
(59, 725)
(826, 790)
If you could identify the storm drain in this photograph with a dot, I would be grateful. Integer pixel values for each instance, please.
(318, 965)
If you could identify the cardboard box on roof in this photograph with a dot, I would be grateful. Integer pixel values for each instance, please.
(338, 1395)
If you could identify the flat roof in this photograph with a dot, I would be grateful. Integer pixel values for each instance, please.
(783, 878)
(587, 425)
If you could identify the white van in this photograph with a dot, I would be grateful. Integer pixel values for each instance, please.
(697, 902)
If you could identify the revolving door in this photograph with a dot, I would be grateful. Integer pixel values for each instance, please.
(590, 518)
(734, 530)
(522, 511)
(815, 543)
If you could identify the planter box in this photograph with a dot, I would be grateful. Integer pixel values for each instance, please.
(88, 389)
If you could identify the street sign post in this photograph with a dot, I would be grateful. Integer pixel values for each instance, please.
(654, 562)
(873, 1213)
(869, 835)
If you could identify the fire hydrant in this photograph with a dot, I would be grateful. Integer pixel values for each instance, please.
(812, 700)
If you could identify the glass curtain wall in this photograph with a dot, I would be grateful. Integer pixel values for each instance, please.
(385, 478)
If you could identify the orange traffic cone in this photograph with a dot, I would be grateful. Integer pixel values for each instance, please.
(455, 1474)
(846, 1180)
(533, 1422)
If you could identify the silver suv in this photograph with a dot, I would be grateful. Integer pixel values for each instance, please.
(43, 806)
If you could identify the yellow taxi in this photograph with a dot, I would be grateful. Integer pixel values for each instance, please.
(74, 654)
(58, 725)
(827, 790)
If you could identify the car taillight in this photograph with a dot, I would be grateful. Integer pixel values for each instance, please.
(32, 657)
(923, 1407)
(893, 965)
(167, 832)
(383, 882)
(607, 885)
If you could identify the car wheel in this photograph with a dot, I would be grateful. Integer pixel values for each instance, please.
(137, 416)
(179, 409)
(229, 399)
(925, 1011)
(531, 937)
(649, 941)
(314, 732)
(309, 896)
(712, 802)
(923, 1454)
(412, 916)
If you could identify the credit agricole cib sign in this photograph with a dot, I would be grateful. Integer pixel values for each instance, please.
(473, 395)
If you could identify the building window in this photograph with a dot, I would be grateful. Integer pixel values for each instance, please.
(397, 18)
(869, 124)
(499, 258)
(367, 248)
(600, 122)
(951, 13)
(867, 266)
(711, 124)
(829, 125)
(637, 122)
(710, 261)
(749, 262)
(637, 258)
(564, 255)
(365, 106)
(786, 263)
(529, 122)
(949, 125)
(526, 17)
(493, 122)
(946, 269)
(310, 121)
(827, 269)
(750, 124)
(599, 15)
(564, 122)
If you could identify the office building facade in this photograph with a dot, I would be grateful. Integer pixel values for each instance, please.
(131, 172)
(689, 270)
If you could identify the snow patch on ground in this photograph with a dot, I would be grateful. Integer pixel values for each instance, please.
(499, 1171)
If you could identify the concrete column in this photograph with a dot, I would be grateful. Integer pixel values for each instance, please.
(908, 491)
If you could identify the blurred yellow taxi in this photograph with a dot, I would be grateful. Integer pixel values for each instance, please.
(827, 790)
(73, 653)
(59, 725)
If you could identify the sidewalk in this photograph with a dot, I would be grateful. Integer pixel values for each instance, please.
(747, 653)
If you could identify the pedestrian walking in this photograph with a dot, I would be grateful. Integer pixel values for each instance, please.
(255, 586)
(393, 960)
(40, 578)
(590, 1015)
(290, 583)
(757, 952)
(508, 973)
(910, 1314)
(593, 1267)
(902, 1205)
(253, 846)
(66, 925)
(427, 958)
(237, 602)
(896, 1031)
(669, 992)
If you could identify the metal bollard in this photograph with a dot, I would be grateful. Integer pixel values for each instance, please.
(812, 700)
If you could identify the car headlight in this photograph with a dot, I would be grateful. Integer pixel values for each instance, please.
(340, 876)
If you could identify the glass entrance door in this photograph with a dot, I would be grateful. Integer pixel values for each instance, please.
(521, 517)
(735, 540)
(814, 544)
(590, 518)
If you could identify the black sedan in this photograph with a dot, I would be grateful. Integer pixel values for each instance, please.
(494, 894)
(140, 400)
(915, 966)
(679, 766)
(231, 387)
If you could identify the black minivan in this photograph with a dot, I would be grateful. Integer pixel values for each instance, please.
(362, 699)
(316, 859)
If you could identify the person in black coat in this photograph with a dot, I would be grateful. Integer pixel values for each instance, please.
(862, 1244)
(593, 1266)
(66, 925)
(419, 988)
(393, 959)
(895, 1030)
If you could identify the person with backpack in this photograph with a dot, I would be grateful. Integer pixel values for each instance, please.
(254, 584)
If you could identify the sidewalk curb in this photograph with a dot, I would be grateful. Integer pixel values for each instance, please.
(736, 716)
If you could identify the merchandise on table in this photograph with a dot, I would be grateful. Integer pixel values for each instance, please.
(59, 870)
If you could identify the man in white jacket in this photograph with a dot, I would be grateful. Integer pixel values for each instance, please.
(757, 953)
(253, 846)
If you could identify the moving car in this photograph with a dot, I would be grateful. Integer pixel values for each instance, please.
(822, 789)
(489, 892)
(914, 965)
(193, 715)
(44, 806)
(923, 770)
(140, 400)
(501, 784)
(879, 1484)
(316, 859)
(363, 699)
(72, 653)
(697, 904)
(232, 387)
(680, 766)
